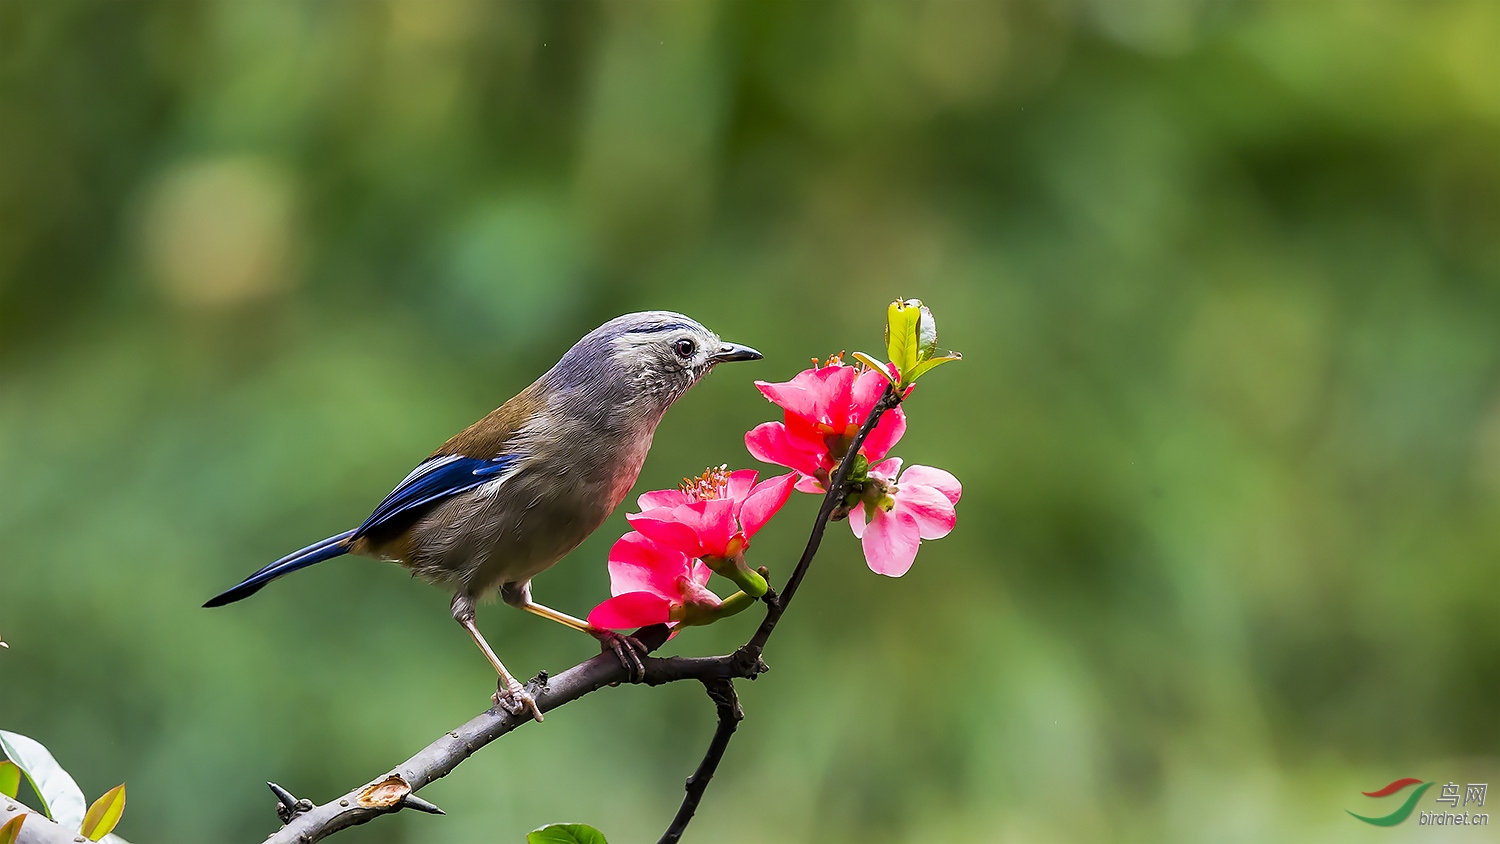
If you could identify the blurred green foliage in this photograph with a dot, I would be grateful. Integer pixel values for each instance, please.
(1226, 276)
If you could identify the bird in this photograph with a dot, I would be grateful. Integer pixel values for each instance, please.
(508, 497)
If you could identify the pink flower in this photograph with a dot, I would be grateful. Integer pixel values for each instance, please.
(918, 506)
(825, 407)
(713, 515)
(652, 584)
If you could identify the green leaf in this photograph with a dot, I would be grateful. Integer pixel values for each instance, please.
(870, 361)
(931, 363)
(860, 469)
(104, 814)
(10, 779)
(926, 334)
(62, 799)
(901, 340)
(566, 833)
(12, 829)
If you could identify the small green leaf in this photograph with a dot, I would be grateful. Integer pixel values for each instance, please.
(10, 779)
(860, 469)
(12, 829)
(926, 334)
(931, 363)
(566, 833)
(870, 361)
(62, 799)
(901, 338)
(104, 814)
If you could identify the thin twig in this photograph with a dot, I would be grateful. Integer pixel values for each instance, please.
(776, 606)
(727, 703)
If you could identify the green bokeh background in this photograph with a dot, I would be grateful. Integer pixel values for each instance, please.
(1227, 280)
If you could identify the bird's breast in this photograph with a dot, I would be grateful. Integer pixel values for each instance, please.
(511, 530)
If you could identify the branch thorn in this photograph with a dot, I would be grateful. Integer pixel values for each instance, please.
(412, 801)
(288, 806)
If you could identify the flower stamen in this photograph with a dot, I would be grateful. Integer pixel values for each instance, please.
(711, 485)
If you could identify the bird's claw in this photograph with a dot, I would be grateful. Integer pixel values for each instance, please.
(514, 698)
(628, 649)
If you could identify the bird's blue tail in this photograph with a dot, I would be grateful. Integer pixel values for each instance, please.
(333, 546)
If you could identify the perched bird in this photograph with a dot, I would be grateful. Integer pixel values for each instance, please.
(505, 499)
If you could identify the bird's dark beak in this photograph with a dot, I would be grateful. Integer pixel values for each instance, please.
(734, 351)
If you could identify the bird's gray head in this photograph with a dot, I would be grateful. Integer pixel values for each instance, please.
(646, 359)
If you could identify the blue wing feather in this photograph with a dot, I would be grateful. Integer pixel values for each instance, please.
(437, 478)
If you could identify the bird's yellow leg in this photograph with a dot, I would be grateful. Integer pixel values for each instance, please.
(518, 595)
(627, 648)
(514, 692)
(560, 617)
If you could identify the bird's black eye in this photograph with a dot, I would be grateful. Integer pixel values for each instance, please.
(685, 348)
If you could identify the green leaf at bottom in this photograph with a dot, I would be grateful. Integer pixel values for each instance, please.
(566, 833)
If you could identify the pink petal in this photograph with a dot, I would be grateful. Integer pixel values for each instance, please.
(887, 469)
(891, 542)
(664, 527)
(696, 515)
(887, 433)
(929, 508)
(807, 437)
(636, 564)
(701, 573)
(769, 443)
(657, 499)
(695, 592)
(740, 483)
(793, 396)
(834, 396)
(808, 483)
(857, 520)
(866, 392)
(716, 525)
(764, 501)
(938, 479)
(632, 609)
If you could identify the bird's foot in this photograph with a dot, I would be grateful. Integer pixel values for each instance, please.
(515, 699)
(628, 649)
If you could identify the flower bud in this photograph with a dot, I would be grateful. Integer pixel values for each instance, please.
(734, 568)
